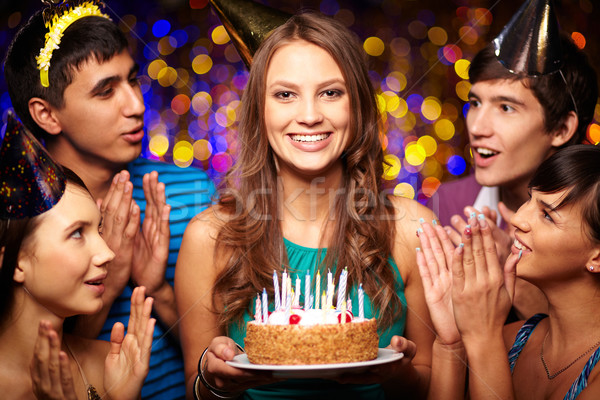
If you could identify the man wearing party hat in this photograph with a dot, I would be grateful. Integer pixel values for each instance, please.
(80, 94)
(533, 92)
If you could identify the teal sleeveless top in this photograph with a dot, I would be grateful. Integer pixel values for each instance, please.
(302, 260)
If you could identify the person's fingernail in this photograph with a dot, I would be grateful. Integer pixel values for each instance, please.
(433, 222)
(461, 247)
(421, 220)
(520, 254)
(482, 221)
(126, 190)
(418, 249)
(419, 231)
(122, 177)
(473, 214)
(468, 230)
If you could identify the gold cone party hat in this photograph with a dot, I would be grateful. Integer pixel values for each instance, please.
(248, 24)
(529, 44)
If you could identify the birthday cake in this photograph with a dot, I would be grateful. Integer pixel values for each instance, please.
(314, 334)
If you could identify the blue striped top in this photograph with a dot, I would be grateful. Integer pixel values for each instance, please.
(189, 191)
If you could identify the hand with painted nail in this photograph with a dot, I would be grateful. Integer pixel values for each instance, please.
(50, 368)
(434, 259)
(502, 237)
(127, 363)
(481, 289)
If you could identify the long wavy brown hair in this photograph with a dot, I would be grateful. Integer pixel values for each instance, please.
(251, 239)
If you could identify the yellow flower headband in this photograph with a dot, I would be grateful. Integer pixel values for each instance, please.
(57, 19)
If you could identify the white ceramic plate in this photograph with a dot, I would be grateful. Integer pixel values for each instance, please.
(317, 370)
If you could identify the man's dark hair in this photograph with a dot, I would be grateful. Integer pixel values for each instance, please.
(87, 38)
(550, 89)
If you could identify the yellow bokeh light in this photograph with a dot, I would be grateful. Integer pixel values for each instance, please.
(462, 90)
(444, 129)
(437, 35)
(183, 153)
(202, 149)
(167, 76)
(401, 110)
(219, 35)
(155, 67)
(429, 144)
(374, 46)
(461, 67)
(392, 101)
(159, 144)
(431, 108)
(381, 104)
(391, 167)
(202, 64)
(404, 189)
(414, 154)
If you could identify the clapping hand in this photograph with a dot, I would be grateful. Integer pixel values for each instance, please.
(127, 362)
(120, 224)
(50, 368)
(151, 249)
(434, 259)
(482, 290)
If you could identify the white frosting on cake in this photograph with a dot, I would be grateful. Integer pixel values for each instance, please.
(308, 317)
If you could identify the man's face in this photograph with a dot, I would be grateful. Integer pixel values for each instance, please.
(506, 131)
(102, 116)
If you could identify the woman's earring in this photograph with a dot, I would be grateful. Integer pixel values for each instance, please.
(591, 268)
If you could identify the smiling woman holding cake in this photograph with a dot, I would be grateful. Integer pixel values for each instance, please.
(303, 199)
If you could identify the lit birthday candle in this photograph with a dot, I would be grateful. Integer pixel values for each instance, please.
(307, 291)
(361, 302)
(318, 290)
(257, 311)
(265, 306)
(283, 288)
(342, 288)
(297, 292)
(276, 289)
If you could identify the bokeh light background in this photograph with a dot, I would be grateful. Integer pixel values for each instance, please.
(192, 77)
